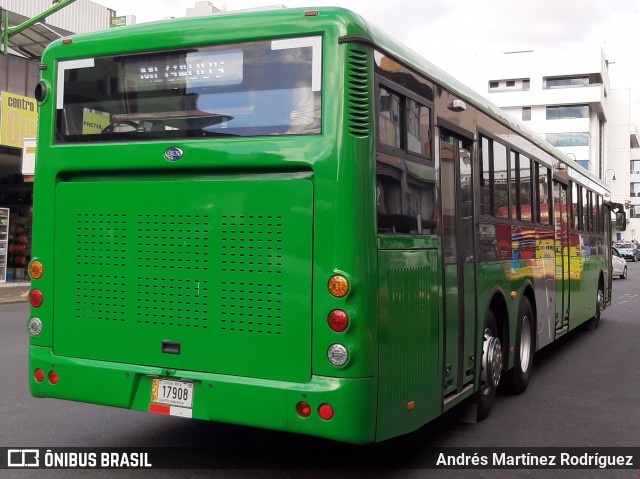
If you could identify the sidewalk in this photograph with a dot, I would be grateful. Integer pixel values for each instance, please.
(14, 292)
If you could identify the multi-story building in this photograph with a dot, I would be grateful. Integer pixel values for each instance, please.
(565, 95)
(633, 213)
(562, 94)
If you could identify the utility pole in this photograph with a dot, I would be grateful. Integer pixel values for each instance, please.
(9, 32)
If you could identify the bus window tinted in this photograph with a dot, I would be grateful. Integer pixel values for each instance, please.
(244, 89)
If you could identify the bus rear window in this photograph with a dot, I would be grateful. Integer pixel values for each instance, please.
(244, 89)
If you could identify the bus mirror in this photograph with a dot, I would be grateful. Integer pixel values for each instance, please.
(621, 221)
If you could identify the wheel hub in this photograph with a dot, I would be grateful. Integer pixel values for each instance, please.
(491, 360)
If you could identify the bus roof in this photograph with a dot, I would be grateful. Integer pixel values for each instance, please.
(261, 22)
(424, 66)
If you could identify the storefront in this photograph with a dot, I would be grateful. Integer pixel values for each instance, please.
(18, 121)
(19, 68)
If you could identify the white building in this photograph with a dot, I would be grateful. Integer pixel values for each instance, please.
(633, 213)
(561, 94)
(564, 94)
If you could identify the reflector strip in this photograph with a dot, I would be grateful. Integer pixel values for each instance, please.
(170, 410)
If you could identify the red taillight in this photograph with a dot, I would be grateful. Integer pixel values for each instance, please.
(338, 320)
(39, 375)
(53, 377)
(325, 411)
(303, 409)
(36, 298)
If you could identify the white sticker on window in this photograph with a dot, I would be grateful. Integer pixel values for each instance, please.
(69, 65)
(316, 63)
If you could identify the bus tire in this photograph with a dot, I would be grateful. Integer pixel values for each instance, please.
(491, 367)
(520, 374)
(594, 322)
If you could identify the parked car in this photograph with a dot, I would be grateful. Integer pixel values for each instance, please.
(619, 264)
(628, 251)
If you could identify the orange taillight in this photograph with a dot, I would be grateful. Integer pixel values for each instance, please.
(36, 269)
(338, 286)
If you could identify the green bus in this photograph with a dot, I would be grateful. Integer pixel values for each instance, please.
(286, 219)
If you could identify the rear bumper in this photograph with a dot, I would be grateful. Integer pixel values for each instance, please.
(231, 399)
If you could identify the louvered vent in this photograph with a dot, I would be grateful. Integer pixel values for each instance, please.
(358, 97)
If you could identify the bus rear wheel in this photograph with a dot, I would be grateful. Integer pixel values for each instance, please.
(491, 367)
(595, 321)
(520, 375)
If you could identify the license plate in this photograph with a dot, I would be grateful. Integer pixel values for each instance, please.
(174, 393)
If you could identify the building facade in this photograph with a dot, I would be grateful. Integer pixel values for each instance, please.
(561, 94)
(565, 95)
(19, 75)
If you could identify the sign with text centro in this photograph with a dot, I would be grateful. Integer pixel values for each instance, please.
(18, 119)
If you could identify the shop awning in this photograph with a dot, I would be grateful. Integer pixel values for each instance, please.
(32, 41)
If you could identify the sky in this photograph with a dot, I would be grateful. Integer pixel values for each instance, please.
(446, 32)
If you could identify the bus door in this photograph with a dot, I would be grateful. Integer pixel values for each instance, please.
(608, 241)
(459, 288)
(563, 265)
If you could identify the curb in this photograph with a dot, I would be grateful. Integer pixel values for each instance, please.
(12, 301)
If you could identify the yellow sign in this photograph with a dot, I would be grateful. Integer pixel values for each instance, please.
(94, 121)
(18, 119)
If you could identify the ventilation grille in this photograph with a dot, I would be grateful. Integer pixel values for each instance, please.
(409, 358)
(358, 96)
(251, 252)
(172, 258)
(100, 247)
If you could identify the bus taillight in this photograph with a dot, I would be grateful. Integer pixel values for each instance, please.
(36, 298)
(36, 269)
(338, 286)
(35, 326)
(338, 355)
(325, 411)
(38, 374)
(303, 409)
(53, 377)
(338, 320)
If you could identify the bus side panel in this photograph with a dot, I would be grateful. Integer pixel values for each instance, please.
(587, 262)
(410, 339)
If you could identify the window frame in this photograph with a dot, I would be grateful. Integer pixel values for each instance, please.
(514, 179)
(398, 158)
(134, 108)
(404, 93)
(559, 108)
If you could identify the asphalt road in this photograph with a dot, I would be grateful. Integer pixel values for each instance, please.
(584, 392)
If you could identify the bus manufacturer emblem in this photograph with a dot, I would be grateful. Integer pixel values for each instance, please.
(173, 154)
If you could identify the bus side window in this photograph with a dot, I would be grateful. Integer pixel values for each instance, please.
(421, 200)
(405, 202)
(389, 199)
